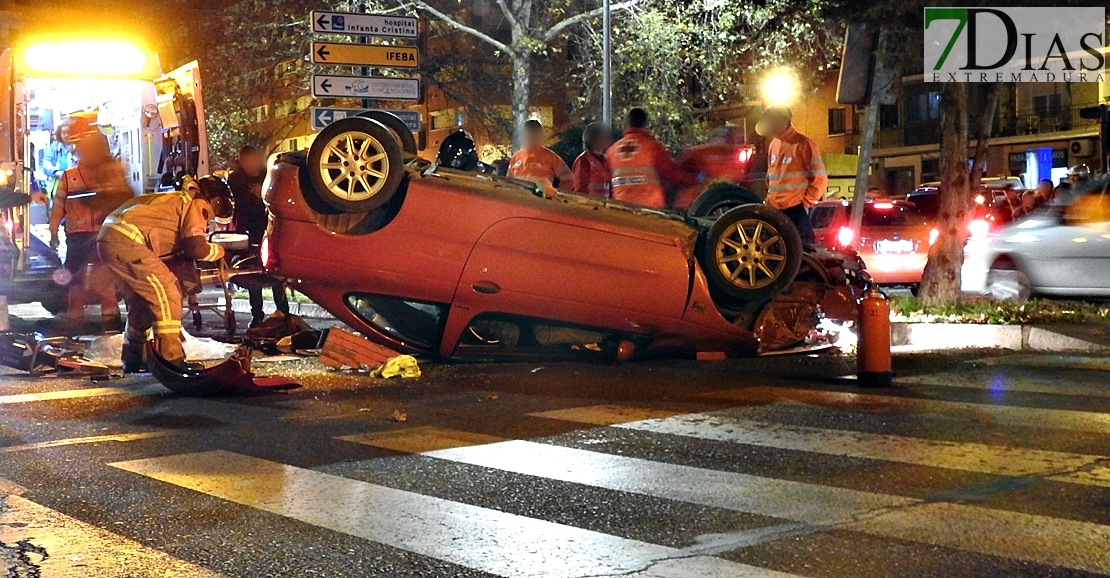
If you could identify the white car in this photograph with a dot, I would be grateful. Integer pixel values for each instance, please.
(1057, 251)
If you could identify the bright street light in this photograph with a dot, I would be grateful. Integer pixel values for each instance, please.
(779, 88)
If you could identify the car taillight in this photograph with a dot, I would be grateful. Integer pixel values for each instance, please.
(845, 236)
(744, 155)
(978, 228)
(933, 235)
(882, 206)
(980, 199)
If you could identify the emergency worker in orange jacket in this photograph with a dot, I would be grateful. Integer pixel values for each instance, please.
(539, 164)
(641, 166)
(135, 242)
(85, 195)
(796, 176)
(591, 172)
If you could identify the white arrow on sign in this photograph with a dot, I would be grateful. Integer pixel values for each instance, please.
(382, 25)
(323, 116)
(325, 85)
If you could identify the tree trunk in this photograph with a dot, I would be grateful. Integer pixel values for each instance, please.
(522, 88)
(983, 134)
(941, 280)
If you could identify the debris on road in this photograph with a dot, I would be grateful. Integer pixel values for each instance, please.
(342, 348)
(399, 415)
(232, 376)
(39, 355)
(402, 365)
(105, 349)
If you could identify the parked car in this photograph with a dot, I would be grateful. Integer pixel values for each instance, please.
(1056, 251)
(437, 261)
(894, 237)
(983, 220)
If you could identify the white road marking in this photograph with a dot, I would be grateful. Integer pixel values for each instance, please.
(604, 414)
(999, 384)
(79, 393)
(479, 538)
(1073, 544)
(84, 440)
(976, 412)
(79, 549)
(421, 439)
(969, 457)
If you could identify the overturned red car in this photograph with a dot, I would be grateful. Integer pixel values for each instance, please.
(430, 260)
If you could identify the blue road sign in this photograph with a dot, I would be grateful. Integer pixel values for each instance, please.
(322, 117)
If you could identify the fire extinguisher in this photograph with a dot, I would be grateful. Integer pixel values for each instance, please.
(873, 355)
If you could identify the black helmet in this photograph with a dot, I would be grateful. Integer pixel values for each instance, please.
(458, 151)
(217, 193)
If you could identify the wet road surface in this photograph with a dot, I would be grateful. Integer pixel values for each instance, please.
(975, 464)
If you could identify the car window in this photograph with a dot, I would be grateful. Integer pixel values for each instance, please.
(420, 324)
(888, 215)
(928, 204)
(822, 216)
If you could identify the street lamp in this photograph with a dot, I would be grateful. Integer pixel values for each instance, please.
(779, 88)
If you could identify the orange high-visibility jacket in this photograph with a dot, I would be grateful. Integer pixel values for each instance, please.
(795, 172)
(591, 174)
(642, 169)
(541, 166)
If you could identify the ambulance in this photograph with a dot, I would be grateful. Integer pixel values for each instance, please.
(54, 88)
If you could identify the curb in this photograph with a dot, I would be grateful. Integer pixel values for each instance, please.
(307, 310)
(941, 336)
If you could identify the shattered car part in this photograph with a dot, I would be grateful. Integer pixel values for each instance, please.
(232, 376)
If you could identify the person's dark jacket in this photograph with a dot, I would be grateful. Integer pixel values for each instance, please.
(250, 215)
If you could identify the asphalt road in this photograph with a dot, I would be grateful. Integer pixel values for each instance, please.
(976, 464)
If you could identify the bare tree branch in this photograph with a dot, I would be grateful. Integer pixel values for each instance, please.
(462, 27)
(560, 27)
(509, 15)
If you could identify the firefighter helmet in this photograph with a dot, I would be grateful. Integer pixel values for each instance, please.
(458, 151)
(217, 193)
(1080, 172)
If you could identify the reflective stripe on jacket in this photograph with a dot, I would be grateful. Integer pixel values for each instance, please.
(795, 172)
(591, 174)
(541, 166)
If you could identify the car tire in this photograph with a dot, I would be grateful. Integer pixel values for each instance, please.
(1005, 282)
(355, 165)
(55, 300)
(398, 128)
(752, 253)
(718, 198)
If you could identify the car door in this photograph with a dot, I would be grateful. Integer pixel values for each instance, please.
(571, 274)
(1073, 255)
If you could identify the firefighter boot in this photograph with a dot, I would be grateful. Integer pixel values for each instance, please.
(132, 356)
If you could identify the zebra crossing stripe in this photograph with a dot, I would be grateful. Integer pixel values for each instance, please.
(969, 457)
(1072, 544)
(604, 414)
(1007, 415)
(418, 440)
(75, 548)
(479, 538)
(80, 393)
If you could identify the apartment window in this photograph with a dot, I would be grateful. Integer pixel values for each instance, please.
(888, 116)
(260, 113)
(1047, 105)
(923, 107)
(838, 118)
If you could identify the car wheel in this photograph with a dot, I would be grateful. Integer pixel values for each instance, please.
(398, 128)
(55, 300)
(752, 253)
(1008, 284)
(718, 198)
(355, 165)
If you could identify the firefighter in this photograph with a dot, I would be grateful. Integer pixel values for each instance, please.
(641, 166)
(539, 164)
(591, 174)
(796, 177)
(723, 157)
(135, 243)
(85, 195)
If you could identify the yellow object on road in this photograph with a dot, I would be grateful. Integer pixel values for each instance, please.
(402, 365)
